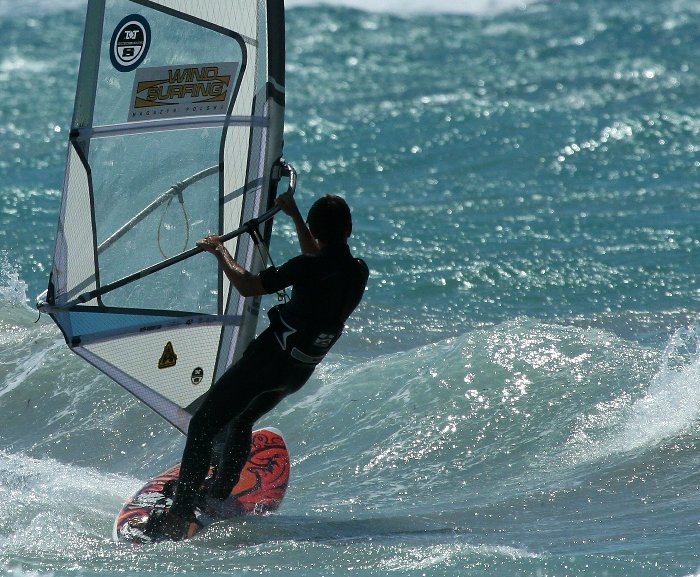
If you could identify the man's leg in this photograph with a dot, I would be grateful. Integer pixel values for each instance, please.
(237, 445)
(204, 426)
(235, 390)
(263, 370)
(276, 376)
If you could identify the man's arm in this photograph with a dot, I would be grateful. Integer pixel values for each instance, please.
(307, 242)
(247, 284)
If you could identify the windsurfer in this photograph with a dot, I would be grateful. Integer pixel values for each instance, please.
(327, 285)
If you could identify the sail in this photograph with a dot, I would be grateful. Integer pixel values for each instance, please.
(176, 133)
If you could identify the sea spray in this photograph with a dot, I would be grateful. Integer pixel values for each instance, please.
(659, 408)
(13, 290)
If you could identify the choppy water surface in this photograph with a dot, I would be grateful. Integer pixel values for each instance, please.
(519, 392)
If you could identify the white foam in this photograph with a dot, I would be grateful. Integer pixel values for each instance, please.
(672, 403)
(19, 571)
(8, 7)
(13, 289)
(49, 506)
(669, 408)
(421, 6)
(37, 7)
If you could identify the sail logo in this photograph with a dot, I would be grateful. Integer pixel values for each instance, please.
(197, 376)
(130, 42)
(183, 90)
(168, 359)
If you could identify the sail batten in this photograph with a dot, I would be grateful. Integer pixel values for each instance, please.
(213, 121)
(176, 133)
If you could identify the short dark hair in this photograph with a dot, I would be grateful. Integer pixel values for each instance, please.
(329, 219)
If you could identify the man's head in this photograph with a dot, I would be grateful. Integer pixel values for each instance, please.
(329, 220)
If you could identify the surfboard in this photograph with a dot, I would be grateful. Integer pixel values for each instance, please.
(259, 491)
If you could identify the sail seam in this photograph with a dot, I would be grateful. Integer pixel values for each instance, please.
(212, 121)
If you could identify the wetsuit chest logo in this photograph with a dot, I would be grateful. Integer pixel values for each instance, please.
(324, 340)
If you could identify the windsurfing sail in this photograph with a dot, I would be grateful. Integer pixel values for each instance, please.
(176, 133)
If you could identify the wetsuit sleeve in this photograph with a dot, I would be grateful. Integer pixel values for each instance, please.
(274, 279)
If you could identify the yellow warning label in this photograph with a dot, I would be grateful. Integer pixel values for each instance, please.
(168, 358)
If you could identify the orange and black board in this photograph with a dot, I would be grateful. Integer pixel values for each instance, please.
(260, 490)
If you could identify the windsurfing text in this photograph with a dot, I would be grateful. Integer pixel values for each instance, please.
(177, 91)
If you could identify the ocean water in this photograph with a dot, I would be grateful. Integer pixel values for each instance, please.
(518, 394)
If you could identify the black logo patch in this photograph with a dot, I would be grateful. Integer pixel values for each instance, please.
(130, 43)
(197, 376)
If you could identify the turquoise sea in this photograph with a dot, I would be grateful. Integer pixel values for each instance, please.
(519, 393)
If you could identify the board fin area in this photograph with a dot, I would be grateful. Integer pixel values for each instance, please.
(259, 491)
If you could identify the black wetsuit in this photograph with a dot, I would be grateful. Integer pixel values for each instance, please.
(326, 289)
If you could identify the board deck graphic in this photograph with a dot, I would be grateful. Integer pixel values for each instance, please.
(259, 491)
